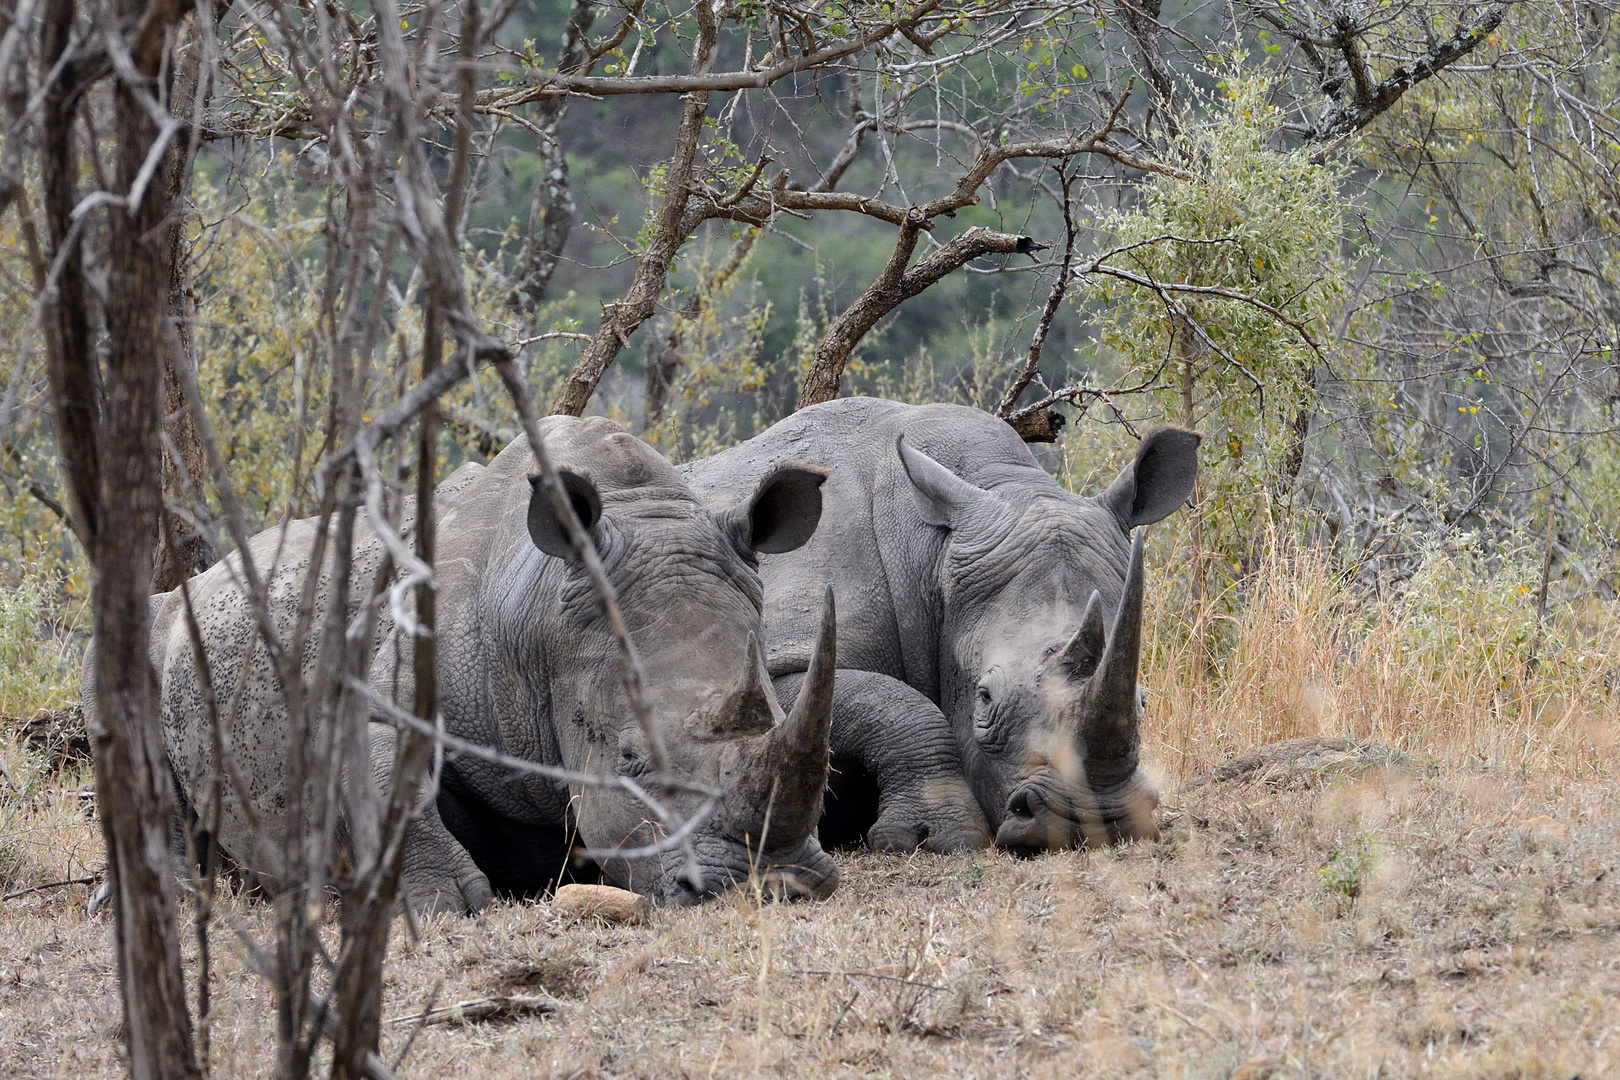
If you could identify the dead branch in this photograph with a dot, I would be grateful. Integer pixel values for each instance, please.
(623, 317)
(479, 1010)
(1365, 101)
(1044, 428)
(48, 885)
(894, 286)
(700, 81)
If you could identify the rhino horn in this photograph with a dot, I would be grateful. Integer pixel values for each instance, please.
(750, 706)
(800, 744)
(1084, 651)
(1110, 730)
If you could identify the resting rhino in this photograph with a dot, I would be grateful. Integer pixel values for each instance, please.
(527, 666)
(970, 576)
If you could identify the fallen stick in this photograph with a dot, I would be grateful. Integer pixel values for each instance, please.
(49, 885)
(478, 1009)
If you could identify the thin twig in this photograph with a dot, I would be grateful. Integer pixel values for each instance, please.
(1054, 299)
(50, 885)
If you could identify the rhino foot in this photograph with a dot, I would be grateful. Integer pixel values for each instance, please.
(943, 817)
(439, 875)
(442, 893)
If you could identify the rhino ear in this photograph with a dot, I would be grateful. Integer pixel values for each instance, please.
(942, 496)
(784, 512)
(551, 535)
(1158, 481)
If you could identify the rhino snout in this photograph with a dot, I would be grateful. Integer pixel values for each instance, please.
(807, 874)
(1042, 815)
(1033, 823)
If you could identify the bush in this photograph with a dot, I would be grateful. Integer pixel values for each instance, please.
(38, 664)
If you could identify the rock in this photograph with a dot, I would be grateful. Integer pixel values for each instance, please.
(600, 902)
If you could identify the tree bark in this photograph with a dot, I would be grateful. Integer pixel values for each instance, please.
(894, 286)
(183, 549)
(552, 212)
(70, 366)
(114, 474)
(1141, 19)
(622, 318)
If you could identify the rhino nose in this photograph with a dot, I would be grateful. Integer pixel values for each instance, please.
(1026, 802)
(1030, 827)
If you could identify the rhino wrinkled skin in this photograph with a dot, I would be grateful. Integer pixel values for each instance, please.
(970, 577)
(527, 666)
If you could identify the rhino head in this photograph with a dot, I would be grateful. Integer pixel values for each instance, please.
(688, 588)
(1042, 640)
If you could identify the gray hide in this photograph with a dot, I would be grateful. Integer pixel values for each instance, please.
(967, 573)
(526, 665)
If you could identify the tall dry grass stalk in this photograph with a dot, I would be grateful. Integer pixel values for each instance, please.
(1453, 663)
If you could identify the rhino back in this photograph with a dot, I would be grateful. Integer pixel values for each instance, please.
(248, 694)
(872, 543)
(254, 725)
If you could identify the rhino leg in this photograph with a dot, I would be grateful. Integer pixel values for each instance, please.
(521, 859)
(897, 776)
(438, 874)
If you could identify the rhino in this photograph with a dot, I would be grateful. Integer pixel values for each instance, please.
(526, 665)
(968, 576)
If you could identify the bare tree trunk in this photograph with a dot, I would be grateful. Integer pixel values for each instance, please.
(893, 287)
(1141, 19)
(663, 367)
(70, 365)
(183, 549)
(623, 317)
(115, 482)
(369, 903)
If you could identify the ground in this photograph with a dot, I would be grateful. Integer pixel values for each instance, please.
(1448, 921)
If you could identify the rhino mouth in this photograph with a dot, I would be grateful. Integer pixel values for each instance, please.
(806, 874)
(1044, 816)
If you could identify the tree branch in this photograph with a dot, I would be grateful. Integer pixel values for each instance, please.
(701, 81)
(894, 286)
(1374, 100)
(622, 318)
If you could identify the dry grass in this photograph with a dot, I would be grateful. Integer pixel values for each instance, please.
(1453, 666)
(1455, 917)
(1331, 926)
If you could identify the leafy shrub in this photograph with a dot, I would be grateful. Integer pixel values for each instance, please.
(1346, 873)
(38, 668)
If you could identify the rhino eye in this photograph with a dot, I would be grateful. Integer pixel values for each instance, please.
(988, 733)
(989, 689)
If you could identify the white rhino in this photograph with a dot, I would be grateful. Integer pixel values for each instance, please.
(972, 581)
(527, 666)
